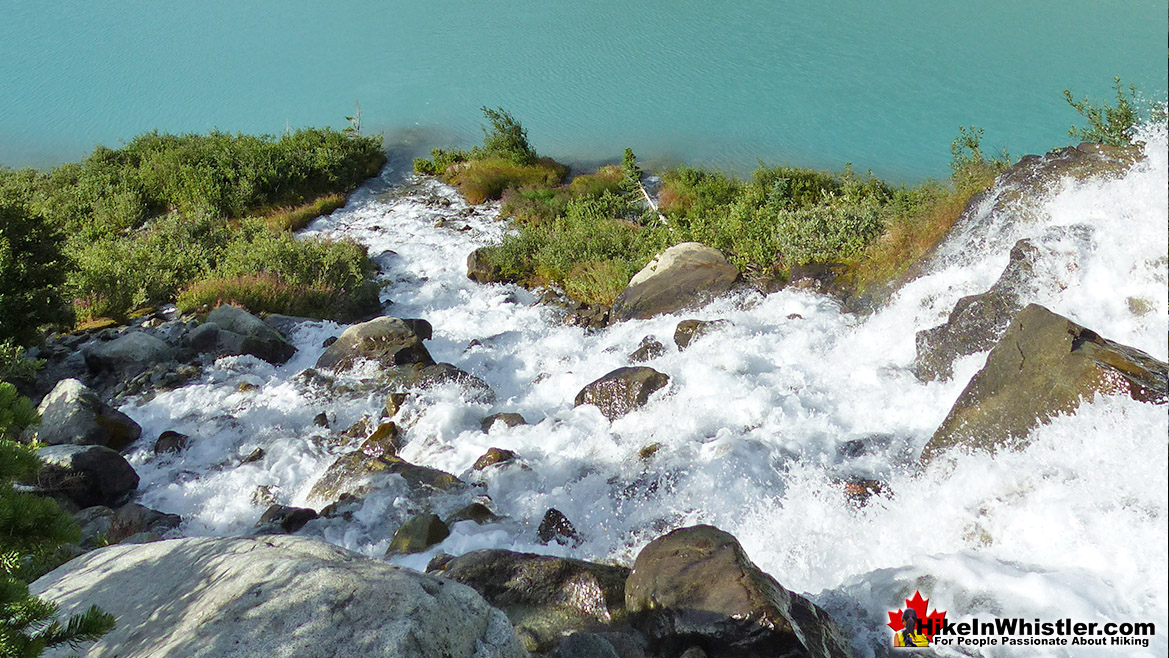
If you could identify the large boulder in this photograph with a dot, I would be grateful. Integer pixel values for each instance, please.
(481, 269)
(545, 597)
(977, 321)
(622, 390)
(72, 414)
(277, 596)
(232, 331)
(683, 276)
(696, 586)
(389, 341)
(128, 355)
(361, 471)
(1044, 365)
(87, 475)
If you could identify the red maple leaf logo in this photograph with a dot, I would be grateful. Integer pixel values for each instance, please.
(930, 623)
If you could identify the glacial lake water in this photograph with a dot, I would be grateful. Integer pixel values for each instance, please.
(881, 85)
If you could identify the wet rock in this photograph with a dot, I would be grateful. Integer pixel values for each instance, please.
(977, 321)
(689, 330)
(356, 473)
(1044, 365)
(285, 324)
(823, 278)
(171, 441)
(477, 512)
(683, 276)
(622, 390)
(133, 519)
(492, 457)
(254, 456)
(283, 519)
(545, 597)
(394, 403)
(588, 316)
(696, 586)
(481, 269)
(383, 441)
(585, 645)
(95, 523)
(446, 373)
(321, 420)
(73, 414)
(276, 595)
(232, 331)
(264, 495)
(87, 475)
(132, 353)
(508, 419)
(389, 341)
(417, 535)
(555, 527)
(649, 348)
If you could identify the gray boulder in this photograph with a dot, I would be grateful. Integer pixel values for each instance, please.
(389, 341)
(977, 321)
(545, 597)
(278, 596)
(683, 276)
(622, 390)
(128, 355)
(72, 414)
(87, 475)
(696, 586)
(232, 331)
(1044, 365)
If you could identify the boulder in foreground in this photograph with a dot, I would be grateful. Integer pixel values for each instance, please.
(622, 390)
(389, 341)
(696, 586)
(274, 596)
(1044, 365)
(683, 276)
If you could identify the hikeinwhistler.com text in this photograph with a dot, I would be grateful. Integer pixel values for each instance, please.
(1015, 631)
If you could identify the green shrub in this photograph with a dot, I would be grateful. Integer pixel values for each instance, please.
(507, 139)
(32, 271)
(267, 271)
(298, 217)
(487, 179)
(440, 161)
(972, 170)
(32, 528)
(1108, 124)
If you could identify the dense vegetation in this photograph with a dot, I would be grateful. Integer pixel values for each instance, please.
(170, 213)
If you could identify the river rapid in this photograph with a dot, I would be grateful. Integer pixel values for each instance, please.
(761, 421)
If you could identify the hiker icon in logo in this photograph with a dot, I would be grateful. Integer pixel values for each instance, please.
(911, 626)
(908, 636)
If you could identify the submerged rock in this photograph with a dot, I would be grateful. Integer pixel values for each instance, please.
(688, 331)
(72, 414)
(418, 534)
(1044, 365)
(555, 527)
(358, 472)
(545, 597)
(696, 586)
(683, 276)
(492, 457)
(650, 348)
(387, 340)
(279, 596)
(508, 419)
(622, 390)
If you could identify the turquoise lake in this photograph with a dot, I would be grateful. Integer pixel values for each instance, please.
(883, 85)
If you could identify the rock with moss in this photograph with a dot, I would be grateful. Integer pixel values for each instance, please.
(73, 414)
(276, 595)
(696, 586)
(418, 534)
(1044, 365)
(545, 597)
(622, 390)
(683, 276)
(386, 340)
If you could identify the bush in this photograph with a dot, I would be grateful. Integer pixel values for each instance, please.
(32, 528)
(266, 271)
(32, 271)
(972, 170)
(507, 139)
(296, 218)
(1108, 124)
(487, 179)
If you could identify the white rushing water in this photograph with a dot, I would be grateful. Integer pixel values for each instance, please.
(758, 425)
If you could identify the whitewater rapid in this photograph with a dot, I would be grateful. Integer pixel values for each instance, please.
(759, 424)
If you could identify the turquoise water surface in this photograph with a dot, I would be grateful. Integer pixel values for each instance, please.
(883, 85)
